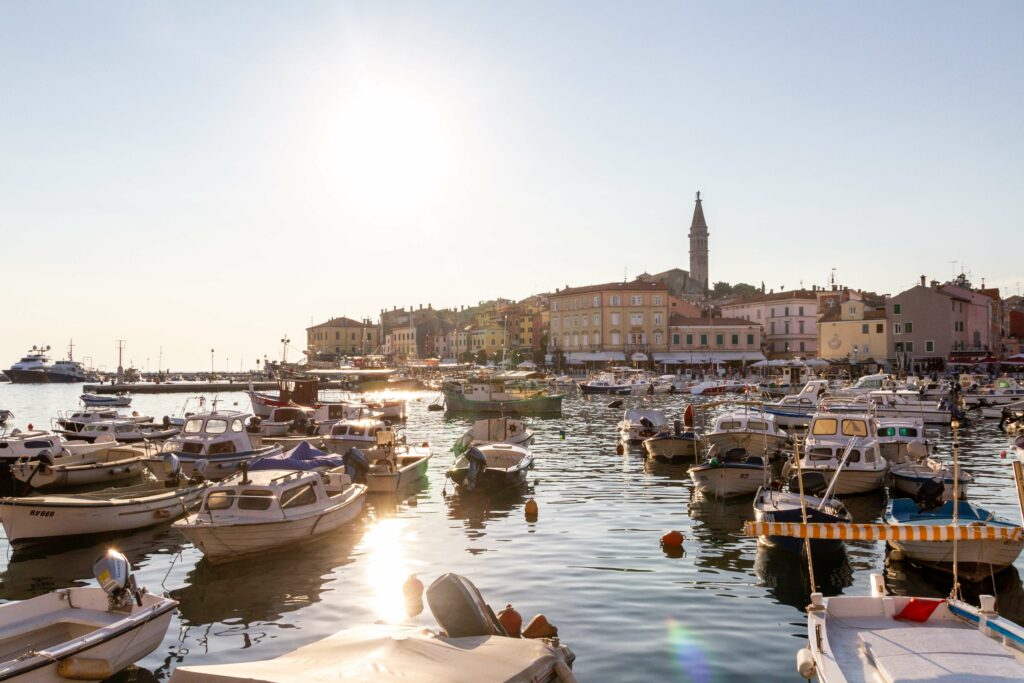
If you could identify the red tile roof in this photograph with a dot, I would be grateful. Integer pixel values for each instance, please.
(677, 320)
(634, 286)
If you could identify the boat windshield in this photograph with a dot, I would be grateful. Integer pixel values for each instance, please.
(216, 426)
(220, 500)
(193, 426)
(854, 428)
(825, 426)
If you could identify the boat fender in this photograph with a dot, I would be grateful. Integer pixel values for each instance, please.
(356, 464)
(805, 663)
(412, 590)
(539, 627)
(511, 621)
(532, 510)
(85, 669)
(477, 465)
(688, 415)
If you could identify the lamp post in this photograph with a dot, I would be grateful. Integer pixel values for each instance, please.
(211, 364)
(284, 349)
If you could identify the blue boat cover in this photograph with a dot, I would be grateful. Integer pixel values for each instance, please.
(302, 457)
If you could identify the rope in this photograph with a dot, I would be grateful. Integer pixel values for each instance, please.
(803, 514)
(955, 591)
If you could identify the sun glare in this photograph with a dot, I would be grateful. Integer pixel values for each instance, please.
(387, 153)
(387, 569)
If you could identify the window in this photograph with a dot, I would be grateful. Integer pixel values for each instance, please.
(636, 318)
(864, 328)
(615, 300)
(675, 339)
(657, 300)
(801, 310)
(298, 496)
(929, 346)
(554, 306)
(719, 339)
(909, 347)
(909, 327)
(597, 320)
(636, 300)
(759, 314)
(800, 325)
(575, 340)
(616, 318)
(896, 309)
(657, 318)
(879, 328)
(565, 339)
(216, 426)
(750, 339)
(256, 499)
(735, 339)
(220, 500)
(787, 310)
(897, 328)
(703, 340)
(787, 327)
(802, 346)
(899, 346)
(854, 428)
(596, 303)
(824, 426)
(236, 426)
(584, 321)
(689, 340)
(773, 327)
(193, 426)
(657, 337)
(615, 338)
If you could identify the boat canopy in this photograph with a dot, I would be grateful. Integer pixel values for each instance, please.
(302, 457)
(883, 532)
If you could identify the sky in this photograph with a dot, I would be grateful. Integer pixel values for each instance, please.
(189, 176)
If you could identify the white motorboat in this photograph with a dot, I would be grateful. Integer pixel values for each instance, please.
(796, 410)
(28, 446)
(496, 430)
(905, 447)
(729, 472)
(36, 367)
(471, 646)
(284, 421)
(605, 383)
(106, 401)
(217, 443)
(69, 470)
(391, 409)
(753, 432)
(354, 433)
(255, 512)
(75, 421)
(905, 403)
(846, 442)
(305, 394)
(672, 448)
(638, 424)
(1006, 410)
(1003, 390)
(48, 518)
(491, 467)
(777, 506)
(85, 633)
(893, 638)
(125, 431)
(388, 467)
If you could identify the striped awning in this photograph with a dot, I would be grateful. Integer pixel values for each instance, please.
(884, 532)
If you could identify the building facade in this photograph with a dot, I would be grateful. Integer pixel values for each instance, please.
(712, 340)
(788, 320)
(342, 337)
(853, 330)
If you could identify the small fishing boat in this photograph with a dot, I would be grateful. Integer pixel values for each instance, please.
(638, 424)
(471, 646)
(672, 448)
(907, 403)
(55, 517)
(217, 443)
(904, 445)
(388, 467)
(709, 388)
(28, 446)
(124, 431)
(606, 383)
(1004, 410)
(254, 512)
(977, 559)
(75, 421)
(348, 434)
(285, 421)
(117, 401)
(70, 470)
(775, 505)
(496, 430)
(1003, 391)
(490, 467)
(796, 411)
(728, 472)
(753, 432)
(846, 443)
(84, 633)
(498, 396)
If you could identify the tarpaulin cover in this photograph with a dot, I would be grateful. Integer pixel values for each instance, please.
(302, 457)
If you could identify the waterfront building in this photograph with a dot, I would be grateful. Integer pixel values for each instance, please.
(855, 330)
(788, 320)
(342, 337)
(695, 341)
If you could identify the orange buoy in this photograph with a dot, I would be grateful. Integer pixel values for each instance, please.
(688, 415)
(620, 449)
(1002, 454)
(412, 587)
(673, 539)
(30, 426)
(540, 628)
(511, 621)
(532, 509)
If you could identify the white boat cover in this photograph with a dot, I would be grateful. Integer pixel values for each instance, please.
(386, 653)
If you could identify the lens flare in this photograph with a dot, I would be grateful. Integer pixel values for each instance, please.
(687, 654)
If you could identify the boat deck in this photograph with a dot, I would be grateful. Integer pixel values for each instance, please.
(50, 630)
(939, 650)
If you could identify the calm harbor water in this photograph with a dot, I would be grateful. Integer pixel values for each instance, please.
(726, 610)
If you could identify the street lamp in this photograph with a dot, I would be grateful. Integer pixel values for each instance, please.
(284, 349)
(211, 364)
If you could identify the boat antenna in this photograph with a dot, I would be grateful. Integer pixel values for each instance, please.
(803, 515)
(955, 591)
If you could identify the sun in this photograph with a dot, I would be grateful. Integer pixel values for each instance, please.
(387, 153)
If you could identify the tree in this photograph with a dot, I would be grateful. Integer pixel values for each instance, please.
(743, 289)
(466, 357)
(481, 357)
(721, 290)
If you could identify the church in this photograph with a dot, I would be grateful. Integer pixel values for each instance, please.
(693, 284)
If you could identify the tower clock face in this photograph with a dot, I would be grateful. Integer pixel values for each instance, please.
(835, 342)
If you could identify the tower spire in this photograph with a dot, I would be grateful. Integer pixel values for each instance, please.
(699, 245)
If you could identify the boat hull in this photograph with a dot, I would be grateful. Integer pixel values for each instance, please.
(616, 390)
(728, 480)
(41, 377)
(220, 466)
(751, 442)
(406, 474)
(851, 482)
(776, 506)
(672, 450)
(537, 405)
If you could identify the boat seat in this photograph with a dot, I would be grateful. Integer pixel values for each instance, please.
(913, 653)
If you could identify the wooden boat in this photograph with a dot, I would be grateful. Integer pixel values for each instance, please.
(48, 518)
(977, 559)
(471, 646)
(771, 505)
(124, 431)
(846, 443)
(117, 464)
(216, 443)
(490, 467)
(87, 633)
(118, 401)
(674, 448)
(753, 432)
(496, 396)
(254, 512)
(728, 473)
(638, 424)
(496, 430)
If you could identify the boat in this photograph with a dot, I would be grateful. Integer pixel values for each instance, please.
(111, 401)
(57, 517)
(1011, 418)
(776, 505)
(83, 633)
(977, 560)
(305, 393)
(284, 421)
(894, 638)
(638, 424)
(67, 470)
(354, 433)
(124, 431)
(75, 421)
(606, 383)
(388, 467)
(392, 409)
(5, 415)
(253, 512)
(904, 446)
(1002, 391)
(672, 448)
(217, 443)
(728, 472)
(496, 430)
(906, 403)
(709, 388)
(36, 367)
(754, 432)
(1001, 412)
(471, 646)
(796, 410)
(847, 444)
(491, 466)
(498, 396)
(28, 446)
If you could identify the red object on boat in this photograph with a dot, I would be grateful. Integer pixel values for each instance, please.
(688, 415)
(919, 609)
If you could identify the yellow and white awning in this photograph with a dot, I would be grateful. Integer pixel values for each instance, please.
(884, 532)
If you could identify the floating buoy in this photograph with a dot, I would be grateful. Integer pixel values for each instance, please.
(688, 415)
(425, 444)
(1002, 454)
(561, 434)
(620, 449)
(673, 539)
(617, 403)
(511, 621)
(540, 628)
(30, 426)
(412, 587)
(532, 510)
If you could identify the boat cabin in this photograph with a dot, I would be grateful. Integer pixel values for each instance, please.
(29, 444)
(216, 433)
(746, 422)
(359, 430)
(874, 382)
(257, 495)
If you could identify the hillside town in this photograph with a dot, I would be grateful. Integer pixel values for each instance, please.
(679, 319)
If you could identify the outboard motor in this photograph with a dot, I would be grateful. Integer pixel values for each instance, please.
(929, 494)
(167, 421)
(356, 465)
(459, 608)
(815, 483)
(477, 466)
(172, 470)
(647, 424)
(299, 424)
(254, 425)
(115, 577)
(677, 427)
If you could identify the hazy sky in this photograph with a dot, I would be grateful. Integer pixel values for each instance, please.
(189, 175)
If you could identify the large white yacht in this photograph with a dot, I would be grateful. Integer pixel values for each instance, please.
(36, 367)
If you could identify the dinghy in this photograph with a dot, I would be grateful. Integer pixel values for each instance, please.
(638, 424)
(254, 512)
(728, 473)
(70, 470)
(490, 467)
(496, 430)
(83, 633)
(117, 401)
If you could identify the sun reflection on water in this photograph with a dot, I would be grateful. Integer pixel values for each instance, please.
(387, 569)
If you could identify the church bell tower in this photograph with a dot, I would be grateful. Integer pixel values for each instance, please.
(699, 246)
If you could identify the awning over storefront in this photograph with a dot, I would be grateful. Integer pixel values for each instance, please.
(596, 356)
(705, 357)
(638, 357)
